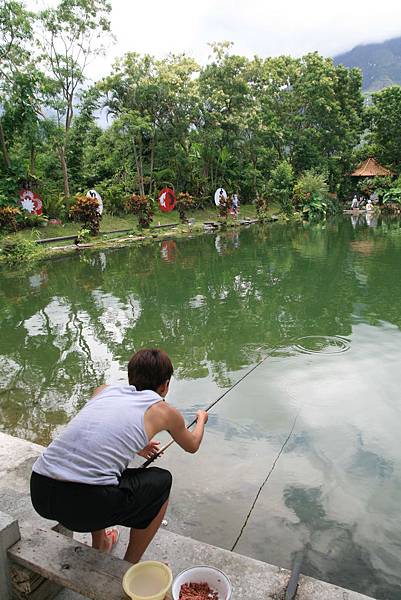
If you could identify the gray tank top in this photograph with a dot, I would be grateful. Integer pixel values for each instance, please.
(99, 442)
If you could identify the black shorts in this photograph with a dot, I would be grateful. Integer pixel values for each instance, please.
(135, 502)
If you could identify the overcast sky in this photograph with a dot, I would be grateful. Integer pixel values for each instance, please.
(258, 27)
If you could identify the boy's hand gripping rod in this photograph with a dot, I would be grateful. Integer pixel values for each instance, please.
(164, 448)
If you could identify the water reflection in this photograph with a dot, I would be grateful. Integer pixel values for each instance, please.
(332, 550)
(77, 320)
(217, 304)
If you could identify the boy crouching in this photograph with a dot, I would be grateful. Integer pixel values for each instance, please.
(82, 481)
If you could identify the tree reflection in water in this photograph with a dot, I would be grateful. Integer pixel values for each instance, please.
(218, 304)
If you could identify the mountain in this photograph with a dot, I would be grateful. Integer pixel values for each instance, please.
(380, 63)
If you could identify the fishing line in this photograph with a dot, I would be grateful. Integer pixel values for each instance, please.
(287, 439)
(164, 448)
(266, 480)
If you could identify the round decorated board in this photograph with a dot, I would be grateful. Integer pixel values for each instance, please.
(166, 199)
(96, 196)
(217, 195)
(30, 202)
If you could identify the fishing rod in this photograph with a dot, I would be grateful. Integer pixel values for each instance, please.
(164, 448)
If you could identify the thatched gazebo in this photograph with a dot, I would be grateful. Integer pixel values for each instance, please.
(371, 168)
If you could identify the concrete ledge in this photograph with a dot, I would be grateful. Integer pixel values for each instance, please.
(251, 579)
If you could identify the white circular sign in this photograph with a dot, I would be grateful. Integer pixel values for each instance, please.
(96, 196)
(219, 193)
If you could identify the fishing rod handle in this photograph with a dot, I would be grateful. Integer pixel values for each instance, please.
(159, 452)
(163, 448)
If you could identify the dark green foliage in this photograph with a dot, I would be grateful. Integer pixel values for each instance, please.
(16, 250)
(56, 206)
(393, 193)
(253, 126)
(281, 185)
(310, 184)
(385, 124)
(377, 185)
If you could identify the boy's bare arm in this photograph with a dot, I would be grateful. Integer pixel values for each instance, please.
(188, 440)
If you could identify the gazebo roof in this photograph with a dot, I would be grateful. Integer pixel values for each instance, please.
(371, 168)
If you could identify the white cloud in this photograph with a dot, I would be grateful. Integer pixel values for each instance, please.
(255, 26)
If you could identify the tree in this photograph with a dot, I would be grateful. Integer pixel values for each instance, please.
(70, 37)
(235, 122)
(385, 125)
(155, 105)
(15, 31)
(225, 97)
(326, 119)
(83, 135)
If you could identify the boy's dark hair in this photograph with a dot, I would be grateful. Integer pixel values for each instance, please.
(149, 368)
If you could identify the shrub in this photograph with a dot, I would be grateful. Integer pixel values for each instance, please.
(16, 250)
(280, 186)
(142, 207)
(312, 197)
(85, 210)
(114, 197)
(261, 207)
(393, 193)
(393, 196)
(184, 202)
(314, 207)
(83, 235)
(224, 207)
(311, 185)
(27, 220)
(9, 216)
(55, 206)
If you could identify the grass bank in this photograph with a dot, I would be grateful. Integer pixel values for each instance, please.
(110, 222)
(135, 234)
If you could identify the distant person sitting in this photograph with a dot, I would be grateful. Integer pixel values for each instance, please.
(369, 205)
(355, 203)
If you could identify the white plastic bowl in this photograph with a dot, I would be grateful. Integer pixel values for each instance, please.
(216, 580)
(147, 580)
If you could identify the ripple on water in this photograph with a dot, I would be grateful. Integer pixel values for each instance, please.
(322, 344)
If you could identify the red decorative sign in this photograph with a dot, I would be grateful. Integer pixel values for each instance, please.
(168, 250)
(166, 199)
(31, 202)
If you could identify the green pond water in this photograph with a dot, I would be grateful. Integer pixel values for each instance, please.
(318, 423)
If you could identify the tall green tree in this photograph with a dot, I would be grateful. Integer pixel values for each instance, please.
(385, 125)
(72, 34)
(154, 103)
(15, 32)
(225, 102)
(326, 114)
